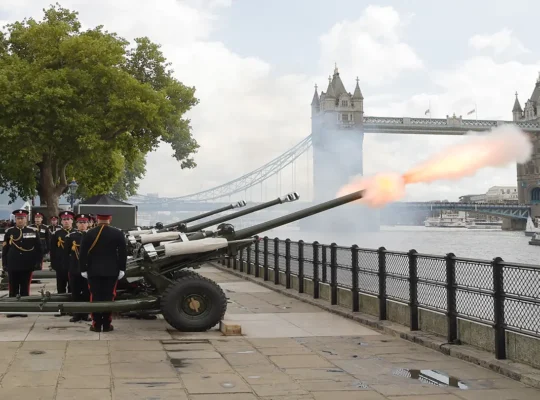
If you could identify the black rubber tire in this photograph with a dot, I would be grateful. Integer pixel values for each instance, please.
(193, 284)
(184, 272)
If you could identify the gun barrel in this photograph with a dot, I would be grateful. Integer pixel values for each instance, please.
(239, 204)
(287, 198)
(295, 216)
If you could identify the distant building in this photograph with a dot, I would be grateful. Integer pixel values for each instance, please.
(495, 194)
(502, 194)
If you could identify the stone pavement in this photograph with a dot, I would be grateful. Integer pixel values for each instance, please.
(290, 351)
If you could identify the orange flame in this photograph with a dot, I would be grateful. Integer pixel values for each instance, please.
(504, 145)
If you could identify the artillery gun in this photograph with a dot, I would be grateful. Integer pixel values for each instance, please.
(191, 303)
(183, 232)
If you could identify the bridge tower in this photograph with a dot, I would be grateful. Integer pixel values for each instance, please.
(528, 175)
(338, 138)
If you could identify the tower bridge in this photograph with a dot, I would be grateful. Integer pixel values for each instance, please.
(336, 144)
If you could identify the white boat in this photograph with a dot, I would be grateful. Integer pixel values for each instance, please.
(446, 221)
(535, 241)
(530, 229)
(484, 224)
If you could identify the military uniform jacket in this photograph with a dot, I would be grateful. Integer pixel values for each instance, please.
(44, 235)
(72, 246)
(21, 249)
(58, 249)
(103, 252)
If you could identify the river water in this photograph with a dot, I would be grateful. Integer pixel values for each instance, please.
(485, 245)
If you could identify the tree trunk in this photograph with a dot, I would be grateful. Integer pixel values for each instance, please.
(52, 183)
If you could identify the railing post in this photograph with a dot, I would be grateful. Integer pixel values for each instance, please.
(413, 288)
(333, 274)
(241, 260)
(248, 260)
(382, 283)
(229, 262)
(451, 299)
(324, 263)
(288, 263)
(498, 308)
(300, 266)
(265, 255)
(276, 261)
(316, 270)
(257, 263)
(355, 269)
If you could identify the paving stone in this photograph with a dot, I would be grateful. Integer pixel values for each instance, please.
(30, 393)
(279, 351)
(75, 359)
(147, 394)
(203, 366)
(214, 383)
(147, 383)
(329, 374)
(49, 345)
(195, 355)
(189, 347)
(246, 359)
(85, 382)
(80, 369)
(223, 396)
(500, 394)
(40, 364)
(138, 356)
(279, 389)
(269, 378)
(143, 370)
(83, 394)
(344, 395)
(29, 379)
(426, 397)
(301, 361)
(274, 342)
(138, 345)
(408, 389)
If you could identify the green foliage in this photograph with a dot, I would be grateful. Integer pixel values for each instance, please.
(84, 104)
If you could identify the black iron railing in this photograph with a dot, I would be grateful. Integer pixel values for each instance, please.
(503, 295)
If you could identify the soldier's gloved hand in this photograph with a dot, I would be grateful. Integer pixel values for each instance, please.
(121, 275)
(84, 275)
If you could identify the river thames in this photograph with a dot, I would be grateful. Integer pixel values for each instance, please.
(510, 246)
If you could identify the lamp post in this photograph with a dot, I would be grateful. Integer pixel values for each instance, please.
(72, 190)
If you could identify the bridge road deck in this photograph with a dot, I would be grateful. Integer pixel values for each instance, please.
(290, 351)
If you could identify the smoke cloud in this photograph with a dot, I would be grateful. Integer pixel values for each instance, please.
(498, 148)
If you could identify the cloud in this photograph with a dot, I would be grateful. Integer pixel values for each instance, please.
(502, 42)
(249, 115)
(371, 46)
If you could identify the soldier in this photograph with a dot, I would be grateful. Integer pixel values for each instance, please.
(21, 253)
(103, 256)
(53, 227)
(44, 234)
(79, 285)
(58, 251)
(91, 221)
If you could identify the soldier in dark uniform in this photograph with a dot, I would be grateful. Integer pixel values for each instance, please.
(44, 234)
(53, 227)
(58, 251)
(21, 254)
(91, 221)
(79, 285)
(103, 256)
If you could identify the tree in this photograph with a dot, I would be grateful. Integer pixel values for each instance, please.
(84, 104)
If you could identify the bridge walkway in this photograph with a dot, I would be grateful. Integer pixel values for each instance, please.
(290, 351)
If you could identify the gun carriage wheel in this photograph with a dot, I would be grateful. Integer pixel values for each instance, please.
(193, 303)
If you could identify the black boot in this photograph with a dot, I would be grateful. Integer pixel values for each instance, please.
(75, 318)
(95, 328)
(108, 328)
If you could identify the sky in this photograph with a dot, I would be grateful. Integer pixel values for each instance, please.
(254, 64)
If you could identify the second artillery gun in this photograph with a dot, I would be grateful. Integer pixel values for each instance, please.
(190, 303)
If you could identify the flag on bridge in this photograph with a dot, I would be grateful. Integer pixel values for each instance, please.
(427, 112)
(471, 112)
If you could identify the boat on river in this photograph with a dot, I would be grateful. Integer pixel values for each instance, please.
(530, 228)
